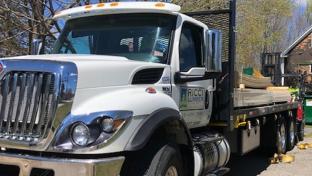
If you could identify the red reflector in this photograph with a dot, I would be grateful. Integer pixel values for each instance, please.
(299, 113)
(150, 90)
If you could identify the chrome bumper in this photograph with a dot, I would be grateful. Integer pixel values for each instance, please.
(62, 167)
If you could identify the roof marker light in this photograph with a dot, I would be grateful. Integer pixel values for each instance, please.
(160, 4)
(88, 6)
(114, 4)
(101, 5)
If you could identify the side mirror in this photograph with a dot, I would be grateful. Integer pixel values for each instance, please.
(36, 46)
(213, 48)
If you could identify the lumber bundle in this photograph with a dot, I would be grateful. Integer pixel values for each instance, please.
(256, 90)
(279, 94)
(251, 97)
(256, 82)
(257, 97)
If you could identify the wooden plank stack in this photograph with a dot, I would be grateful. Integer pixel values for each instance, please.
(279, 94)
(257, 83)
(251, 97)
(259, 91)
(255, 97)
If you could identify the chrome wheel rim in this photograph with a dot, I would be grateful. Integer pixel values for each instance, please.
(292, 133)
(282, 139)
(172, 171)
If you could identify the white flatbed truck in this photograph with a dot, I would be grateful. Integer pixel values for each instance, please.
(134, 88)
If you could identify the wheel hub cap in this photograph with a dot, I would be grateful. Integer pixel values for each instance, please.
(172, 171)
(283, 137)
(292, 133)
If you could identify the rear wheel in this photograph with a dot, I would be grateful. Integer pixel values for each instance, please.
(281, 137)
(291, 133)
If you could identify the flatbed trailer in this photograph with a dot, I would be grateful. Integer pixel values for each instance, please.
(233, 121)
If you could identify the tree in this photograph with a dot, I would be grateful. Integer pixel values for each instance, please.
(22, 21)
(308, 12)
(260, 29)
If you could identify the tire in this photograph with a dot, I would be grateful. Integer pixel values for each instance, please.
(291, 133)
(166, 162)
(300, 132)
(154, 160)
(281, 136)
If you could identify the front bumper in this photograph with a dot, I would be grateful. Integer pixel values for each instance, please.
(62, 167)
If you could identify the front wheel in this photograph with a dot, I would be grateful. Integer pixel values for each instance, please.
(166, 162)
(156, 159)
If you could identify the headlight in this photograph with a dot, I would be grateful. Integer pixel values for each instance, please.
(80, 134)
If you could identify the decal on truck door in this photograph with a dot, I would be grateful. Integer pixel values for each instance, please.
(192, 98)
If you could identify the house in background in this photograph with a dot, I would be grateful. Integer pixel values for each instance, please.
(298, 56)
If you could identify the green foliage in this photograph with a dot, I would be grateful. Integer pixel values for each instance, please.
(261, 26)
(308, 12)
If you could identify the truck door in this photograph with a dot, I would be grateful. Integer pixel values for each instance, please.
(195, 97)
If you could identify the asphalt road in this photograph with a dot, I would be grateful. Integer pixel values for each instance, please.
(256, 163)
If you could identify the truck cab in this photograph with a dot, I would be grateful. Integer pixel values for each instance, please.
(125, 81)
(176, 43)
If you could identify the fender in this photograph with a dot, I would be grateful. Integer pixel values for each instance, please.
(149, 112)
(162, 117)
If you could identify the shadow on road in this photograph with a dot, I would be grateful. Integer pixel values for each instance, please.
(249, 165)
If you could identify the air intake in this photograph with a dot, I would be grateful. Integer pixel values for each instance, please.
(148, 76)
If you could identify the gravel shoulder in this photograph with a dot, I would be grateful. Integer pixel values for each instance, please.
(255, 163)
(302, 166)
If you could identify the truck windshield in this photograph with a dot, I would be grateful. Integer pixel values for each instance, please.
(141, 37)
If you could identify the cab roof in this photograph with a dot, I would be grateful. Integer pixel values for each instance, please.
(117, 8)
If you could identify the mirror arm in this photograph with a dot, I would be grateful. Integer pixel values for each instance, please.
(181, 78)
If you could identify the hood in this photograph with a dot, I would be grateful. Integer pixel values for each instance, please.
(99, 70)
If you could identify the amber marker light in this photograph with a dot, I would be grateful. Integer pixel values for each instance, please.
(114, 4)
(88, 6)
(101, 5)
(160, 5)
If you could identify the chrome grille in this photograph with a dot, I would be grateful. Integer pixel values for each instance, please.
(27, 104)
